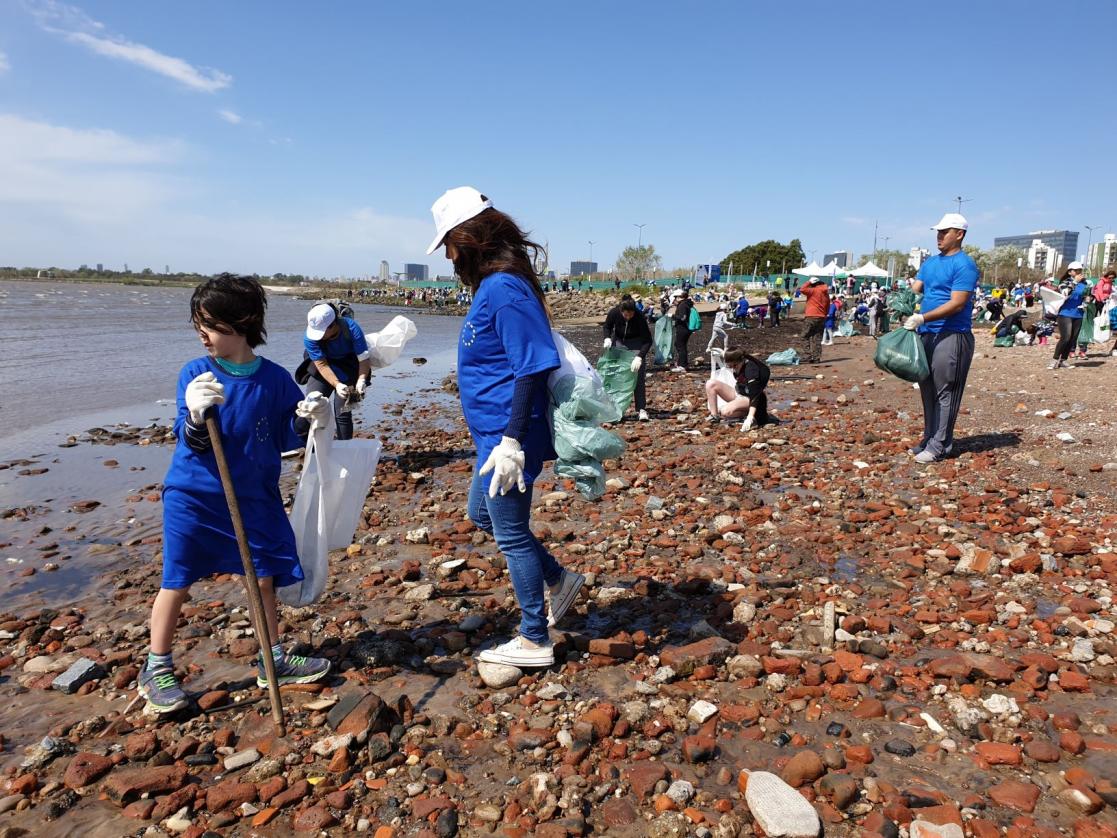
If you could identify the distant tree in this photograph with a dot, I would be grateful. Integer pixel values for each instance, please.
(636, 262)
(757, 256)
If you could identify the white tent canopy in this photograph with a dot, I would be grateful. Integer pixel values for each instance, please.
(813, 269)
(869, 269)
(831, 268)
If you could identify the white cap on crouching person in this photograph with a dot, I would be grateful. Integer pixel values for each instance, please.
(318, 319)
(1075, 266)
(454, 207)
(952, 221)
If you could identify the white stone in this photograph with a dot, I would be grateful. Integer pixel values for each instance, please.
(829, 624)
(1064, 437)
(1082, 651)
(179, 822)
(421, 535)
(420, 593)
(926, 829)
(744, 612)
(329, 744)
(932, 723)
(241, 759)
(701, 711)
(1000, 705)
(552, 690)
(680, 791)
(497, 676)
(779, 809)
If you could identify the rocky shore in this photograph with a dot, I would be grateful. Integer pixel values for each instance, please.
(789, 632)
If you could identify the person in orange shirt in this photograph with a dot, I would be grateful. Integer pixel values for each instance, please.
(817, 294)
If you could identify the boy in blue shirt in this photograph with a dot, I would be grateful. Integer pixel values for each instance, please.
(948, 282)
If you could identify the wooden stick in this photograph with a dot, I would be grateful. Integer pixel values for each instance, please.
(255, 600)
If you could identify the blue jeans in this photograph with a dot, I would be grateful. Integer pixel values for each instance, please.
(506, 518)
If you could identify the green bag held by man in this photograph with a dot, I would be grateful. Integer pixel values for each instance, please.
(901, 353)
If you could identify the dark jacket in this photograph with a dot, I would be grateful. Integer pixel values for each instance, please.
(632, 334)
(751, 381)
(682, 313)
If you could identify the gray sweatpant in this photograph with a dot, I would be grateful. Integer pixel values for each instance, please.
(949, 355)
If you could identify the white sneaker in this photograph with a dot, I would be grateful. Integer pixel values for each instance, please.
(925, 457)
(515, 653)
(1113, 353)
(1054, 365)
(643, 416)
(677, 369)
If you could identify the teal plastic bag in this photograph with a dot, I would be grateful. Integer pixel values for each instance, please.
(845, 329)
(615, 368)
(902, 303)
(578, 407)
(901, 353)
(694, 320)
(664, 339)
(786, 358)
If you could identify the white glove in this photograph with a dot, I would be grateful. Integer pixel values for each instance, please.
(506, 462)
(608, 343)
(362, 385)
(637, 362)
(747, 424)
(913, 322)
(201, 394)
(342, 391)
(315, 407)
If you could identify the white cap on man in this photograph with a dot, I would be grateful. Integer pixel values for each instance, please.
(318, 319)
(1075, 266)
(455, 206)
(952, 221)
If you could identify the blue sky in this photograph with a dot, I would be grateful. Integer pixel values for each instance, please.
(313, 138)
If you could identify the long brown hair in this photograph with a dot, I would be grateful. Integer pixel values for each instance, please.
(491, 242)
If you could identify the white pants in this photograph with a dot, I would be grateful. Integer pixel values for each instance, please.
(724, 336)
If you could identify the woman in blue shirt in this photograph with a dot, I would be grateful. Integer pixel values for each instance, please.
(505, 353)
(1069, 318)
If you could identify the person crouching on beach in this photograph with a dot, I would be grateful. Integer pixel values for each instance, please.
(747, 399)
(625, 324)
(505, 353)
(260, 412)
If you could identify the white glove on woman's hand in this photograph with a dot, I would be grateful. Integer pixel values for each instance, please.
(315, 407)
(201, 394)
(506, 462)
(747, 424)
(608, 343)
(342, 391)
(637, 362)
(913, 322)
(362, 385)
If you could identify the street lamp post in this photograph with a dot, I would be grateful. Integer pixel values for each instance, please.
(1089, 243)
(639, 238)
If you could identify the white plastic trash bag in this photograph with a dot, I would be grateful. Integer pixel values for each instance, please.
(385, 346)
(720, 372)
(328, 502)
(1052, 300)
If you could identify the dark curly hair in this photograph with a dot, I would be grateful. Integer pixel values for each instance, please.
(231, 304)
(491, 242)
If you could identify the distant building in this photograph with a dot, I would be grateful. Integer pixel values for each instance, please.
(385, 270)
(100, 268)
(842, 257)
(1043, 257)
(415, 273)
(917, 256)
(1064, 241)
(1102, 254)
(583, 268)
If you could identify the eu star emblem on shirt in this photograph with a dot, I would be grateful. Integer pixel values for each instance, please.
(469, 333)
(262, 431)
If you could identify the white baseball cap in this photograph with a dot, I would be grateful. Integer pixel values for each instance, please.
(952, 221)
(454, 207)
(1075, 266)
(318, 319)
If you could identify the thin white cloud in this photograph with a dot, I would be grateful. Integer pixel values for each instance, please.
(77, 27)
(5, 65)
(232, 117)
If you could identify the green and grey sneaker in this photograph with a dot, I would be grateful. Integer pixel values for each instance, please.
(161, 689)
(293, 669)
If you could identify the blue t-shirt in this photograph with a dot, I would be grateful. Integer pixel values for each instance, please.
(1077, 296)
(505, 336)
(350, 341)
(257, 422)
(940, 276)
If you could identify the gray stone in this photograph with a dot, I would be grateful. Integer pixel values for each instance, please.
(80, 672)
(779, 809)
(420, 593)
(829, 624)
(241, 759)
(329, 744)
(10, 802)
(744, 612)
(680, 791)
(472, 622)
(498, 675)
(926, 829)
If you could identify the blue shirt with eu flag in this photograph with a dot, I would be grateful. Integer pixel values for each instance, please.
(505, 336)
(941, 275)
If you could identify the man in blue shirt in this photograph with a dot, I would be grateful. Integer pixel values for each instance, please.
(947, 282)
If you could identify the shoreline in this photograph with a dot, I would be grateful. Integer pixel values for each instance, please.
(713, 553)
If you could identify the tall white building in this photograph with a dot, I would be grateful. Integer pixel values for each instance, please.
(385, 271)
(916, 257)
(1044, 258)
(1102, 255)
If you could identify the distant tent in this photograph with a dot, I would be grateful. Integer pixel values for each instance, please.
(870, 270)
(813, 269)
